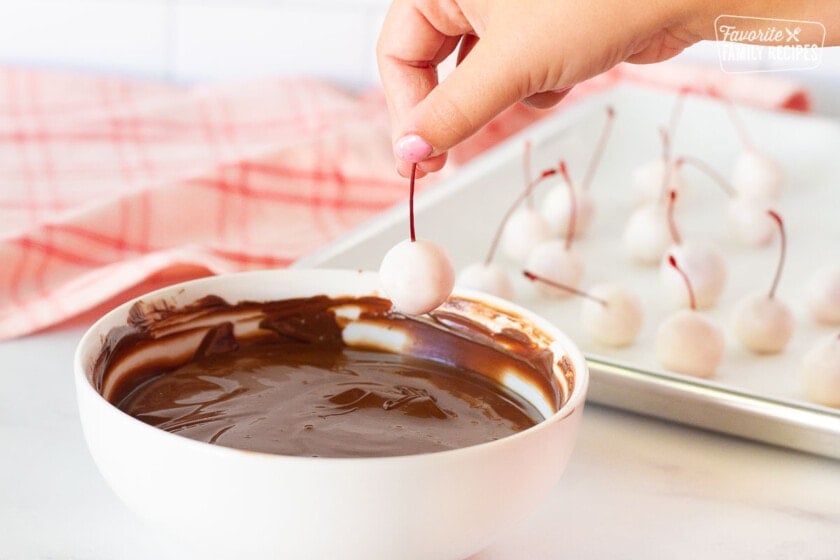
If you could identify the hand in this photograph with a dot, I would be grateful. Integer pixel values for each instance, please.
(531, 51)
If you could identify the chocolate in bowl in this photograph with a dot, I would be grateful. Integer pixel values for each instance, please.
(408, 503)
(290, 384)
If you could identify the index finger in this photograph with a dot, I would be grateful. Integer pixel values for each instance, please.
(412, 43)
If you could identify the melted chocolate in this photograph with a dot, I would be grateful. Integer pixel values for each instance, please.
(278, 377)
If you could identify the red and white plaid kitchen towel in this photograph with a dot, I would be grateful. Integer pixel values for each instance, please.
(107, 183)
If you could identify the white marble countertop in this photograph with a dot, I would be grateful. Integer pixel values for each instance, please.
(635, 487)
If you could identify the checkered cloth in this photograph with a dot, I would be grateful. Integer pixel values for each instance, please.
(107, 184)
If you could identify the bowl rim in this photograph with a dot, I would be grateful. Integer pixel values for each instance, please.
(85, 389)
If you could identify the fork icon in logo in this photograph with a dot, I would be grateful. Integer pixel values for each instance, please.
(793, 35)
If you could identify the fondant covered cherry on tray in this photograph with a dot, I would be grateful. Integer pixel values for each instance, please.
(823, 295)
(755, 174)
(762, 323)
(646, 235)
(523, 226)
(610, 314)
(687, 342)
(556, 207)
(556, 259)
(648, 178)
(701, 261)
(820, 371)
(416, 274)
(748, 219)
(489, 277)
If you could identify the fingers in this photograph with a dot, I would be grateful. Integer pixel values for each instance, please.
(478, 89)
(411, 45)
(428, 118)
(428, 165)
(546, 99)
(467, 44)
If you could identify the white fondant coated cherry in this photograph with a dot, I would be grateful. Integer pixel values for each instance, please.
(556, 209)
(702, 262)
(820, 371)
(749, 222)
(649, 180)
(416, 274)
(612, 316)
(762, 323)
(823, 295)
(756, 175)
(524, 230)
(559, 204)
(689, 343)
(686, 341)
(519, 231)
(554, 259)
(646, 236)
(558, 263)
(489, 278)
(654, 179)
(747, 215)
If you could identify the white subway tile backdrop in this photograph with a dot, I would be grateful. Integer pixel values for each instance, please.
(201, 40)
(190, 40)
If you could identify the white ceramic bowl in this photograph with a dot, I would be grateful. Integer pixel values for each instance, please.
(229, 503)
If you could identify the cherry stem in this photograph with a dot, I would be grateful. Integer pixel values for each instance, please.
(411, 203)
(526, 161)
(783, 250)
(572, 223)
(710, 172)
(666, 161)
(691, 299)
(736, 120)
(672, 222)
(526, 166)
(535, 278)
(494, 245)
(597, 155)
(676, 112)
(665, 136)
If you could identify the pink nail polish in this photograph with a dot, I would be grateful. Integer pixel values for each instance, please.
(412, 148)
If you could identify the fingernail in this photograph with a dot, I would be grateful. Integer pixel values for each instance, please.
(412, 148)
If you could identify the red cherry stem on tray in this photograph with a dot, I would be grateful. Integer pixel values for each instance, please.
(526, 167)
(526, 161)
(710, 172)
(494, 245)
(672, 222)
(666, 162)
(692, 301)
(570, 226)
(782, 252)
(536, 278)
(676, 111)
(597, 155)
(411, 203)
(735, 119)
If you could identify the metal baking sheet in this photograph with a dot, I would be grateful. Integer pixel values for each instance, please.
(754, 397)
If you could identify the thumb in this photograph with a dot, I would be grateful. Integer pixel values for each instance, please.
(484, 84)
